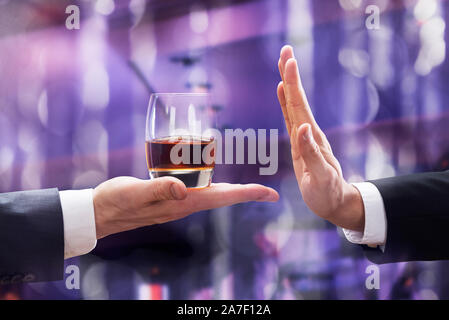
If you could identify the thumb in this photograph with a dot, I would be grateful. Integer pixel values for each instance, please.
(310, 151)
(165, 188)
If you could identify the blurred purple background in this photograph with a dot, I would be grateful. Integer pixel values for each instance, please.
(72, 114)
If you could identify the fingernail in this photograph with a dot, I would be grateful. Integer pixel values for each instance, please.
(308, 136)
(290, 59)
(175, 191)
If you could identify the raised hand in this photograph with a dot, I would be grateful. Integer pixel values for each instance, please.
(127, 203)
(317, 171)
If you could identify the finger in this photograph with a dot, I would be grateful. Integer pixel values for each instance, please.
(298, 108)
(281, 69)
(298, 162)
(165, 188)
(286, 53)
(310, 152)
(224, 194)
(281, 98)
(296, 155)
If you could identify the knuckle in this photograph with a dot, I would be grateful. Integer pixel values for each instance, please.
(159, 191)
(294, 104)
(315, 150)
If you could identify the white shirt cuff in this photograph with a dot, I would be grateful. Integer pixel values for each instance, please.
(80, 236)
(375, 232)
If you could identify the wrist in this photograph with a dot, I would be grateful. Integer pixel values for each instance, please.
(351, 213)
(98, 214)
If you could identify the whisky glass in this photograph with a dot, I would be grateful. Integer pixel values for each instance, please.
(180, 139)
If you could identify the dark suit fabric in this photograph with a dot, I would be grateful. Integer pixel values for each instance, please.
(417, 212)
(31, 236)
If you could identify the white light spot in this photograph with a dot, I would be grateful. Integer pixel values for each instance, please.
(428, 294)
(96, 87)
(31, 178)
(433, 47)
(374, 101)
(6, 159)
(425, 9)
(350, 4)
(143, 52)
(91, 139)
(144, 292)
(104, 7)
(93, 285)
(199, 20)
(432, 29)
(378, 162)
(137, 8)
(26, 138)
(88, 179)
(355, 61)
(42, 108)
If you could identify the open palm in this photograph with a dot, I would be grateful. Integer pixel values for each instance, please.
(126, 203)
(317, 171)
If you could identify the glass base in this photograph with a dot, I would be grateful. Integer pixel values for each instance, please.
(191, 178)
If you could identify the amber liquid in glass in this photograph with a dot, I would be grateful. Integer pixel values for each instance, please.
(192, 161)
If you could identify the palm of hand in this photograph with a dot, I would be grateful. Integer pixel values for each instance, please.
(317, 171)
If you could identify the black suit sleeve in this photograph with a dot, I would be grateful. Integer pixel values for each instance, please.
(417, 211)
(31, 236)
